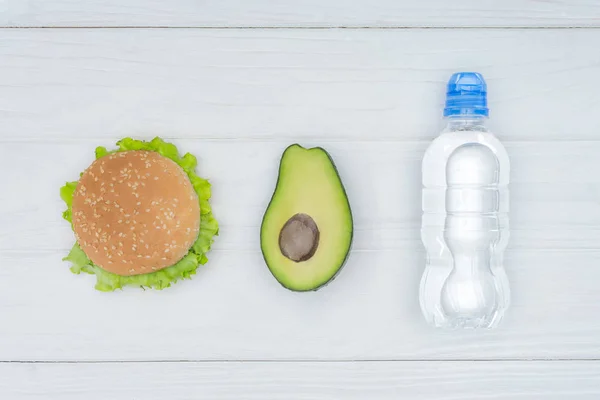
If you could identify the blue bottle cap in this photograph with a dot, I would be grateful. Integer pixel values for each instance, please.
(466, 94)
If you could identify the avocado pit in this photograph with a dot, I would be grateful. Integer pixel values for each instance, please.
(299, 238)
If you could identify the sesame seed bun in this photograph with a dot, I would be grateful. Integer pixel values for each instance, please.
(135, 212)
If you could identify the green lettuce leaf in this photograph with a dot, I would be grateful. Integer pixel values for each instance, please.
(184, 268)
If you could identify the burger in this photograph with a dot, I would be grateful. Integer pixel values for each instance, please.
(141, 216)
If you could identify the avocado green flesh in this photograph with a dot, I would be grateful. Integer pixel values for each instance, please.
(308, 184)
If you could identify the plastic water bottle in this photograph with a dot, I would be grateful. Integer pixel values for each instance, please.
(465, 214)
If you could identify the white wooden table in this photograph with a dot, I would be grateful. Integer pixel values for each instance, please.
(75, 74)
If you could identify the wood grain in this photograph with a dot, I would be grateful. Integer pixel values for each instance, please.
(364, 85)
(300, 13)
(310, 381)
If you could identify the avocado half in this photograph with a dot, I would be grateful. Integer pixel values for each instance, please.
(306, 232)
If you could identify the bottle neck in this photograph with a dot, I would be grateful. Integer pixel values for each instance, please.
(475, 123)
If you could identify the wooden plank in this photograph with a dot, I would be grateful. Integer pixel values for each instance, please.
(234, 310)
(300, 13)
(310, 381)
(553, 196)
(292, 84)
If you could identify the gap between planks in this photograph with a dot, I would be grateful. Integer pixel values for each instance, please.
(302, 361)
(322, 28)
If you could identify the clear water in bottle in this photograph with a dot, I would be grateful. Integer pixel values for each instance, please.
(465, 214)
